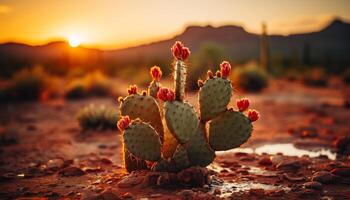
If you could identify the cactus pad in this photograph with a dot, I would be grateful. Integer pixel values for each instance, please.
(132, 163)
(142, 140)
(199, 152)
(145, 108)
(180, 157)
(181, 119)
(229, 130)
(214, 97)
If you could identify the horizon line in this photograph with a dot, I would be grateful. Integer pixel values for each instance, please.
(166, 37)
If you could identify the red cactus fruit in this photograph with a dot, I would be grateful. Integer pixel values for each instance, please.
(210, 74)
(132, 89)
(123, 123)
(242, 104)
(166, 94)
(156, 73)
(170, 95)
(225, 69)
(218, 74)
(253, 115)
(179, 51)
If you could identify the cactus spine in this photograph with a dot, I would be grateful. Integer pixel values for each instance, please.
(187, 141)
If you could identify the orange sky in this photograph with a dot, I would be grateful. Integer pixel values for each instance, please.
(112, 24)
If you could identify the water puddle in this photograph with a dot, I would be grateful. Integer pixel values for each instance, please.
(287, 149)
(227, 188)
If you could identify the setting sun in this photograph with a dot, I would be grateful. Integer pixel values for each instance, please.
(74, 41)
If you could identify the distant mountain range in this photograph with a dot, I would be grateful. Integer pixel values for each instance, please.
(330, 46)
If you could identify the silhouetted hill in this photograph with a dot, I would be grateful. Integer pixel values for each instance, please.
(329, 46)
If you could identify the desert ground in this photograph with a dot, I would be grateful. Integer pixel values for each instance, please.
(298, 151)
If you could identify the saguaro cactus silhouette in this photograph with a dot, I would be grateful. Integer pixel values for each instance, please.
(184, 140)
(264, 49)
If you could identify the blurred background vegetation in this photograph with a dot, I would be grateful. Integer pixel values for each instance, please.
(59, 70)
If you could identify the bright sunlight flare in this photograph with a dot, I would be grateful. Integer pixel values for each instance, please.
(74, 41)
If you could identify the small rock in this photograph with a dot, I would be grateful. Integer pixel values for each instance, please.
(206, 187)
(108, 195)
(289, 165)
(344, 172)
(247, 158)
(93, 169)
(71, 171)
(293, 178)
(265, 161)
(127, 195)
(106, 161)
(313, 185)
(242, 171)
(55, 164)
(131, 180)
(324, 177)
(217, 191)
(102, 146)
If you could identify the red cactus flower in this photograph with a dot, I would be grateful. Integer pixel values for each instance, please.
(225, 69)
(242, 104)
(166, 94)
(179, 51)
(132, 89)
(123, 123)
(253, 115)
(156, 73)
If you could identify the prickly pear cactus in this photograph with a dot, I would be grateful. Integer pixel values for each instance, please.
(181, 139)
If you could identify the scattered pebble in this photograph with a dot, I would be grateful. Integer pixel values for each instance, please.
(313, 185)
(71, 171)
(55, 164)
(293, 178)
(344, 172)
(266, 161)
(127, 195)
(108, 195)
(324, 177)
(217, 191)
(289, 165)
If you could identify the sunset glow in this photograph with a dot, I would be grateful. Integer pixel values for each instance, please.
(111, 24)
(74, 41)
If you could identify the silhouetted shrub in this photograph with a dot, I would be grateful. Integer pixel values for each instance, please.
(250, 78)
(28, 84)
(76, 89)
(97, 118)
(315, 77)
(93, 84)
